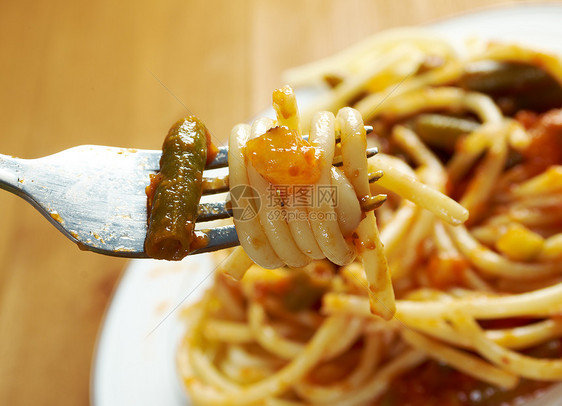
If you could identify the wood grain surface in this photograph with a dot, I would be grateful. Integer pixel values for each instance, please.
(118, 73)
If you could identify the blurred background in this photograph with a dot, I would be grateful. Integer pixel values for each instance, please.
(98, 72)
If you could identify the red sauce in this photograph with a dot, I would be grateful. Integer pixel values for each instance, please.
(298, 291)
(150, 190)
(445, 272)
(283, 157)
(434, 383)
(546, 140)
(544, 150)
(212, 149)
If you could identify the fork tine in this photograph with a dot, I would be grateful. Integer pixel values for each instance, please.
(210, 211)
(215, 184)
(218, 238)
(374, 176)
(221, 160)
(369, 152)
(219, 184)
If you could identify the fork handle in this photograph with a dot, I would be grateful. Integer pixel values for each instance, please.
(11, 174)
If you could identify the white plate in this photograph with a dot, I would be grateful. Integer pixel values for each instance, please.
(135, 358)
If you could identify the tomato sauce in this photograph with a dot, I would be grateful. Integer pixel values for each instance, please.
(283, 157)
(436, 384)
(545, 148)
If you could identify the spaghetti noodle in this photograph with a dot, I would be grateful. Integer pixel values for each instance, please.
(477, 303)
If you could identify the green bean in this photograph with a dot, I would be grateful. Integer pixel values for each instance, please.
(502, 78)
(539, 100)
(442, 131)
(514, 86)
(175, 191)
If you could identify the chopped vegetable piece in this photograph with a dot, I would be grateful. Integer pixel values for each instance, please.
(520, 243)
(495, 77)
(515, 86)
(442, 131)
(174, 193)
(283, 157)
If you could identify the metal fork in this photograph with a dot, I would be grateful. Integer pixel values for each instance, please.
(95, 195)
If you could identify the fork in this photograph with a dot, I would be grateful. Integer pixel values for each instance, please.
(95, 195)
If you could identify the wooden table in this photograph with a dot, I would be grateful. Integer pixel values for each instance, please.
(119, 73)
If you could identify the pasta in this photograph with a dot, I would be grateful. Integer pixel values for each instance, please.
(294, 234)
(421, 304)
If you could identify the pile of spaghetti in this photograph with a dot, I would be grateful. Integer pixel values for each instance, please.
(478, 302)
